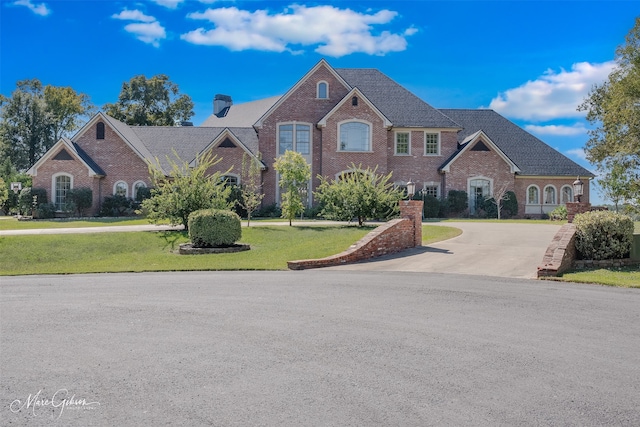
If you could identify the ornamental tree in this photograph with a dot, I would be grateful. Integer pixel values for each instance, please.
(294, 173)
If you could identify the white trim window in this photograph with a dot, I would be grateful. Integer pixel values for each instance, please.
(61, 184)
(549, 195)
(533, 195)
(402, 144)
(294, 137)
(432, 143)
(430, 189)
(231, 179)
(566, 194)
(322, 90)
(354, 136)
(136, 187)
(121, 188)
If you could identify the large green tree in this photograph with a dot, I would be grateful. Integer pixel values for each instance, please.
(614, 108)
(362, 194)
(35, 117)
(294, 173)
(186, 189)
(151, 102)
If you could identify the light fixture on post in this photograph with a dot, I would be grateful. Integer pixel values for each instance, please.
(411, 189)
(578, 188)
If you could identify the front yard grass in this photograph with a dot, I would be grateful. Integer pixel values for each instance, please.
(14, 224)
(271, 248)
(625, 277)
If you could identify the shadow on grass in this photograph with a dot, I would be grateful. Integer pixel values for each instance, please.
(171, 238)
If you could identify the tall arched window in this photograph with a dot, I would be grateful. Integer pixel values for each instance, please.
(121, 188)
(355, 136)
(62, 183)
(322, 90)
(566, 194)
(100, 130)
(549, 195)
(533, 195)
(136, 187)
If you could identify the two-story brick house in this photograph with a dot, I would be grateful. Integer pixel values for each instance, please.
(335, 118)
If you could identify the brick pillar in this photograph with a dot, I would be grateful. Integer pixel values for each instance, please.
(574, 208)
(412, 209)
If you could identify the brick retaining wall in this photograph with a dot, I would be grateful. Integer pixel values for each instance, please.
(560, 254)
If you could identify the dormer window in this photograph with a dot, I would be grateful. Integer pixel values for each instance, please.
(323, 90)
(100, 130)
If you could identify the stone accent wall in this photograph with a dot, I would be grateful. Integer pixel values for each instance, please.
(391, 237)
(560, 254)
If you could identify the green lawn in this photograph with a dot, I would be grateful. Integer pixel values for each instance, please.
(14, 224)
(627, 277)
(271, 248)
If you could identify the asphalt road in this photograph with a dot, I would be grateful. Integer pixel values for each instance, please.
(316, 348)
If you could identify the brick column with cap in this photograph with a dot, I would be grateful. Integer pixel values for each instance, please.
(412, 210)
(574, 208)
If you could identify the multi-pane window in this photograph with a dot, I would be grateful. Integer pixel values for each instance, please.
(294, 137)
(533, 196)
(355, 136)
(549, 195)
(402, 143)
(231, 180)
(63, 185)
(120, 189)
(567, 194)
(430, 190)
(431, 144)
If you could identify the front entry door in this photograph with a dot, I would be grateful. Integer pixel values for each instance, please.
(479, 190)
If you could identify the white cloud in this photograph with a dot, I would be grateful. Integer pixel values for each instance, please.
(558, 130)
(170, 4)
(147, 29)
(39, 9)
(554, 94)
(337, 32)
(133, 15)
(577, 153)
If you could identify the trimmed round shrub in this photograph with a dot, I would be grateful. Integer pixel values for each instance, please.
(214, 227)
(603, 235)
(559, 213)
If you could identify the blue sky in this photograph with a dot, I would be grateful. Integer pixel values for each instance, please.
(532, 61)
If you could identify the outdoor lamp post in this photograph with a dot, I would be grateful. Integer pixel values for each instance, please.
(578, 188)
(411, 189)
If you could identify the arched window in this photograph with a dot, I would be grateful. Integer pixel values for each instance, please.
(121, 188)
(354, 101)
(355, 136)
(549, 195)
(566, 194)
(322, 90)
(62, 183)
(136, 187)
(100, 130)
(533, 195)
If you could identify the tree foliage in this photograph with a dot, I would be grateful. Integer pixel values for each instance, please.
(250, 186)
(185, 190)
(294, 173)
(614, 107)
(151, 102)
(35, 117)
(363, 194)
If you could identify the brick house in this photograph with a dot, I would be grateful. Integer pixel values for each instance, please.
(335, 118)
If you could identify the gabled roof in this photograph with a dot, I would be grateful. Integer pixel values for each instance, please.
(247, 135)
(74, 150)
(530, 154)
(321, 63)
(401, 107)
(347, 98)
(242, 115)
(470, 141)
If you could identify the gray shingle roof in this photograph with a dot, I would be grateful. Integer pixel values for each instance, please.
(401, 107)
(242, 115)
(88, 160)
(532, 156)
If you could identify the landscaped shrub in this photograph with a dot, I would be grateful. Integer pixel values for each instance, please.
(509, 206)
(603, 235)
(45, 210)
(269, 211)
(214, 227)
(431, 208)
(457, 202)
(79, 199)
(26, 202)
(116, 206)
(558, 214)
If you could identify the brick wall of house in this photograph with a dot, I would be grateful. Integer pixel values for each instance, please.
(471, 164)
(75, 168)
(231, 158)
(301, 106)
(522, 183)
(116, 158)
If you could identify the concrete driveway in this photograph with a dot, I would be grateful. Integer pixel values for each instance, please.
(483, 248)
